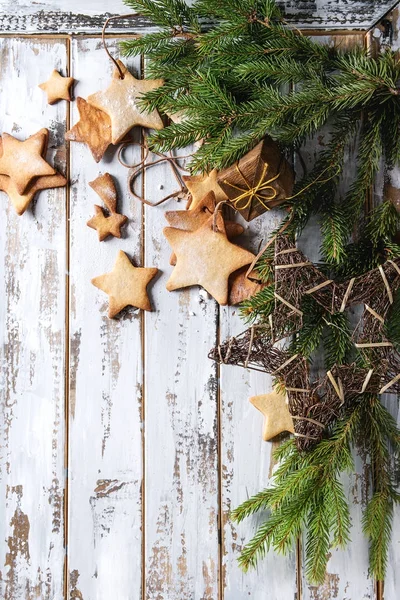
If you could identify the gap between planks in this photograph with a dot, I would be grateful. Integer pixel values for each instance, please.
(67, 334)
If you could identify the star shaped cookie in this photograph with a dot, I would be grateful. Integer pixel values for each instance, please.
(57, 87)
(190, 220)
(119, 101)
(277, 417)
(106, 224)
(126, 285)
(93, 129)
(200, 185)
(205, 257)
(22, 201)
(23, 161)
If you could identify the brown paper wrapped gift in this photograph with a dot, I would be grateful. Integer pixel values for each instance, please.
(259, 181)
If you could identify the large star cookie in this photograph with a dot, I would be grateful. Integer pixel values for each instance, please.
(92, 129)
(190, 220)
(119, 101)
(126, 285)
(23, 161)
(205, 257)
(22, 201)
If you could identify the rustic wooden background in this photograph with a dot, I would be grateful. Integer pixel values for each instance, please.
(123, 448)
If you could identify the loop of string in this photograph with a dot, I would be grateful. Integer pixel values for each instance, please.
(142, 165)
(103, 31)
(215, 215)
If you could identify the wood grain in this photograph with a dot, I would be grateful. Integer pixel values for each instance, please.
(73, 16)
(162, 444)
(106, 377)
(390, 589)
(246, 460)
(32, 331)
(181, 424)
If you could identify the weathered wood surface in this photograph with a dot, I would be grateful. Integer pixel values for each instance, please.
(32, 336)
(106, 376)
(161, 444)
(242, 477)
(392, 581)
(74, 16)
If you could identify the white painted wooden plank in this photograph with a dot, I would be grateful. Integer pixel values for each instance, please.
(247, 460)
(181, 477)
(73, 16)
(105, 459)
(32, 340)
(392, 583)
(347, 570)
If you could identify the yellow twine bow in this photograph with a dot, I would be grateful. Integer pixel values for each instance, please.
(250, 193)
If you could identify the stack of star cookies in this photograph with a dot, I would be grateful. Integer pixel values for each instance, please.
(203, 253)
(24, 170)
(107, 116)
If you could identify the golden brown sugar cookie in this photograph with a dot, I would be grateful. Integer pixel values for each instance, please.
(119, 101)
(200, 185)
(126, 285)
(205, 257)
(22, 161)
(57, 87)
(277, 417)
(92, 129)
(106, 224)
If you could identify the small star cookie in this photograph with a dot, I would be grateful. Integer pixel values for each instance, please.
(200, 185)
(93, 129)
(119, 101)
(205, 257)
(277, 417)
(126, 285)
(57, 87)
(106, 224)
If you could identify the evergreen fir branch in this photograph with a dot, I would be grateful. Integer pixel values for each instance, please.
(258, 307)
(377, 429)
(382, 224)
(294, 501)
(337, 340)
(310, 335)
(335, 231)
(167, 13)
(318, 538)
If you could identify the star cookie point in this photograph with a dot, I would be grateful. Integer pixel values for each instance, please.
(92, 129)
